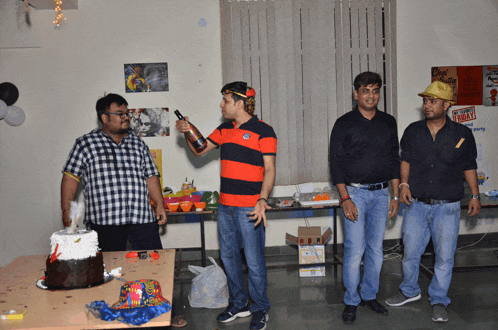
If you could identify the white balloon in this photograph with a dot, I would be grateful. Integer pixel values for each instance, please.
(3, 109)
(15, 116)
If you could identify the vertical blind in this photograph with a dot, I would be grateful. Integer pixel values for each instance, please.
(301, 57)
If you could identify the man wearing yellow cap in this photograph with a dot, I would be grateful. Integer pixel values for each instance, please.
(437, 154)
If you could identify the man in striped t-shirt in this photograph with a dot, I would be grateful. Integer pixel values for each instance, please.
(248, 147)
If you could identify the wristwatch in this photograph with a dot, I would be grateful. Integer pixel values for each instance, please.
(476, 197)
(396, 198)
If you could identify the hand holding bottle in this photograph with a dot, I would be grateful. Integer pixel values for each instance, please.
(182, 125)
(192, 134)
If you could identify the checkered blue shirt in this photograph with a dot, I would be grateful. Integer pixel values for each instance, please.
(114, 178)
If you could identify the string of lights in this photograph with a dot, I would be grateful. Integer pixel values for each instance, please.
(59, 16)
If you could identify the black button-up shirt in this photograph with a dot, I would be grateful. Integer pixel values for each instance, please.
(437, 166)
(364, 151)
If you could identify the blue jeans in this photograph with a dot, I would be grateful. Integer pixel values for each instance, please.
(420, 223)
(364, 237)
(237, 231)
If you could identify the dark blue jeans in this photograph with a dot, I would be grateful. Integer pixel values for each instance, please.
(237, 231)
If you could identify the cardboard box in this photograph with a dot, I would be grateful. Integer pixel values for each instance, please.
(311, 243)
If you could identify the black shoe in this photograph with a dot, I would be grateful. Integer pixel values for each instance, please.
(375, 306)
(349, 314)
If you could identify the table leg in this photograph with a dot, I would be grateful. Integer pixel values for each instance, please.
(203, 241)
(337, 259)
(334, 247)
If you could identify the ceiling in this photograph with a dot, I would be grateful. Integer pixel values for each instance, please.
(50, 4)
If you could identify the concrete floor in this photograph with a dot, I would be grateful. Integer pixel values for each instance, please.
(316, 303)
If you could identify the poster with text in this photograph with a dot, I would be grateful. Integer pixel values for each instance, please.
(150, 122)
(469, 85)
(490, 85)
(146, 77)
(448, 75)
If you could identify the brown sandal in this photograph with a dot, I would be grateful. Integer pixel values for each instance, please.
(178, 322)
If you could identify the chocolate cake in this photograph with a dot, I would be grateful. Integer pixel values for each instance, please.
(74, 261)
(75, 273)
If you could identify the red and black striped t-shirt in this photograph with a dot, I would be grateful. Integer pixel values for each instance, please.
(241, 152)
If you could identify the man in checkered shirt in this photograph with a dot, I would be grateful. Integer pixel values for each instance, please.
(118, 176)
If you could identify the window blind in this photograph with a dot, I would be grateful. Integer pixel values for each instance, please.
(301, 57)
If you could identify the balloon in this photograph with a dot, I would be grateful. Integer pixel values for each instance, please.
(3, 109)
(8, 93)
(15, 116)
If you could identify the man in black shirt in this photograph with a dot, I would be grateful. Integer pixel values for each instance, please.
(437, 154)
(364, 157)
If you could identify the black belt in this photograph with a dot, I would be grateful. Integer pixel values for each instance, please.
(375, 186)
(432, 201)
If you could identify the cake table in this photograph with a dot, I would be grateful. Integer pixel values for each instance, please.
(65, 309)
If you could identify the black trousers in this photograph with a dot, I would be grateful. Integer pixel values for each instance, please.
(140, 236)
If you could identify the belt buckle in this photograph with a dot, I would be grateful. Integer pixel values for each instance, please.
(374, 186)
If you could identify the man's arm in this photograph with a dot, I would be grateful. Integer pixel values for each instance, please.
(210, 146)
(474, 204)
(183, 126)
(69, 187)
(261, 206)
(337, 171)
(348, 207)
(394, 204)
(405, 195)
(156, 195)
(395, 158)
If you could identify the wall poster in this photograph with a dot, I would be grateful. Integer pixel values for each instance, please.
(490, 85)
(150, 122)
(472, 85)
(146, 77)
(157, 156)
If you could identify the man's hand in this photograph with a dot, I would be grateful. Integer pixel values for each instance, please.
(350, 210)
(182, 125)
(405, 195)
(258, 213)
(161, 215)
(474, 207)
(393, 208)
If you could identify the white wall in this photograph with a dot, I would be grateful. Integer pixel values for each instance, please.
(61, 73)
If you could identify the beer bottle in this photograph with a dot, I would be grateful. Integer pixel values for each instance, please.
(193, 135)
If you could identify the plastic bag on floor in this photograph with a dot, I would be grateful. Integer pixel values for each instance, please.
(209, 288)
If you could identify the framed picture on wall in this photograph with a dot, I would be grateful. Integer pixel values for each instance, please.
(150, 122)
(146, 77)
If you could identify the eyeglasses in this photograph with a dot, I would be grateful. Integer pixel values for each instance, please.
(120, 114)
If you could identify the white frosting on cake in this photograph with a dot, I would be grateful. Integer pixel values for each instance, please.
(80, 245)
